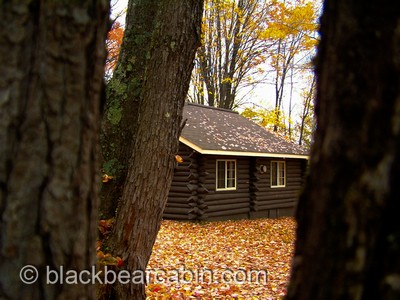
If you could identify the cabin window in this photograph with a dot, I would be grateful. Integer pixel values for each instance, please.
(226, 174)
(278, 174)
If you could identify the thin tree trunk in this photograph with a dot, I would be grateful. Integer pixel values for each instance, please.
(348, 236)
(52, 56)
(289, 126)
(278, 88)
(306, 109)
(166, 82)
(205, 59)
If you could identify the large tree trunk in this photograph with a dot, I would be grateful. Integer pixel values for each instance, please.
(120, 122)
(52, 57)
(348, 236)
(166, 81)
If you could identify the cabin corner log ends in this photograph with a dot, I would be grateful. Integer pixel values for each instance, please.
(193, 194)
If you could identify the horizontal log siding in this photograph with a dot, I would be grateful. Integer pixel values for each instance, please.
(280, 201)
(226, 204)
(183, 194)
(193, 194)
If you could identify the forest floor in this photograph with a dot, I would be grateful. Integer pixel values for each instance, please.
(245, 259)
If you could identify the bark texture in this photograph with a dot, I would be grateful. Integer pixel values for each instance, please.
(120, 122)
(175, 39)
(348, 238)
(52, 57)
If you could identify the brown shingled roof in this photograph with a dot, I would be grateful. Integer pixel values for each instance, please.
(211, 130)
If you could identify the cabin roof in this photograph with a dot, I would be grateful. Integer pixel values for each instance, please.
(211, 130)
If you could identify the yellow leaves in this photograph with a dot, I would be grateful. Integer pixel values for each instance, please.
(273, 32)
(178, 159)
(227, 80)
(240, 246)
(108, 259)
(293, 26)
(292, 20)
(107, 178)
(265, 117)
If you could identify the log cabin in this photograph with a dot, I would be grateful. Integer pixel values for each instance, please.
(233, 169)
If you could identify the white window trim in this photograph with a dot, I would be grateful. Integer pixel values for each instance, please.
(277, 172)
(226, 175)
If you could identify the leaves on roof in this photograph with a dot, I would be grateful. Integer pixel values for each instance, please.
(216, 129)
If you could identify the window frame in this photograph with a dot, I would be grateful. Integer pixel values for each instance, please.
(278, 178)
(225, 188)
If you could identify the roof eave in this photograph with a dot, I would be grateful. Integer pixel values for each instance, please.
(240, 153)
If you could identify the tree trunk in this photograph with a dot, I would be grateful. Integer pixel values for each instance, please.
(52, 57)
(120, 120)
(348, 236)
(205, 68)
(166, 81)
(307, 110)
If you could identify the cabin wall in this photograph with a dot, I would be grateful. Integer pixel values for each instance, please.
(183, 199)
(226, 204)
(278, 201)
(193, 194)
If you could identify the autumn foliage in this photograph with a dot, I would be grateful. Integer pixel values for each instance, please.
(106, 259)
(265, 244)
(113, 44)
(243, 247)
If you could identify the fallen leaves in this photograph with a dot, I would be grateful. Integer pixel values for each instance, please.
(222, 260)
(106, 259)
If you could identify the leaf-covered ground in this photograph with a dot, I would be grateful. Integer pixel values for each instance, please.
(222, 260)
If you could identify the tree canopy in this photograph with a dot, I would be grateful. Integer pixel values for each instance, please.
(245, 43)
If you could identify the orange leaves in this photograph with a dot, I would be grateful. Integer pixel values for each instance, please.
(105, 227)
(244, 247)
(116, 33)
(113, 44)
